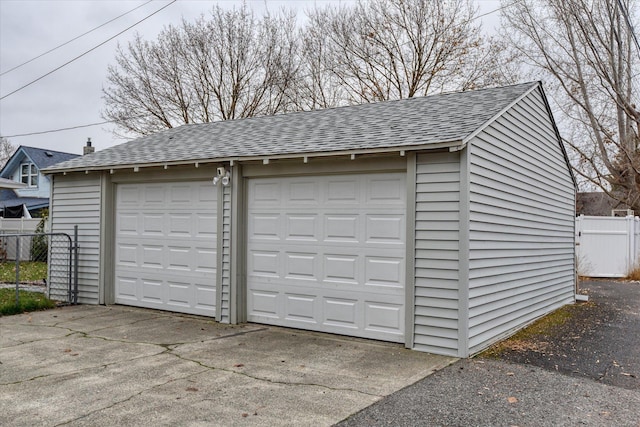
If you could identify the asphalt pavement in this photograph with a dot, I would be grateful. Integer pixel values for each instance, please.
(584, 371)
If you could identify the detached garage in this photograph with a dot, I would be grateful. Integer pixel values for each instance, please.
(444, 223)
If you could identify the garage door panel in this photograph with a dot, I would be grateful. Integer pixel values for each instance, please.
(206, 226)
(384, 190)
(340, 312)
(264, 193)
(263, 303)
(178, 294)
(302, 227)
(205, 196)
(127, 255)
(205, 296)
(152, 290)
(341, 228)
(166, 246)
(300, 307)
(127, 223)
(152, 225)
(300, 266)
(389, 229)
(336, 264)
(342, 191)
(152, 256)
(179, 258)
(182, 193)
(179, 225)
(341, 269)
(344, 313)
(302, 193)
(385, 271)
(205, 261)
(384, 317)
(264, 263)
(264, 226)
(128, 196)
(127, 288)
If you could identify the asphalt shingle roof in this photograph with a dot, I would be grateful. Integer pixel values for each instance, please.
(8, 198)
(413, 122)
(45, 158)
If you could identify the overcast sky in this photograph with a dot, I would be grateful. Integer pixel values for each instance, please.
(72, 96)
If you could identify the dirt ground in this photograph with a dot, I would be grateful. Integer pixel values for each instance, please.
(598, 339)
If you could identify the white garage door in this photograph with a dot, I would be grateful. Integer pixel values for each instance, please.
(166, 246)
(327, 253)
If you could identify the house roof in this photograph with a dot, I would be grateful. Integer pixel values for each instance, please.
(597, 203)
(40, 157)
(8, 198)
(443, 120)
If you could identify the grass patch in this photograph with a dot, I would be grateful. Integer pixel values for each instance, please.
(535, 337)
(634, 272)
(30, 271)
(29, 301)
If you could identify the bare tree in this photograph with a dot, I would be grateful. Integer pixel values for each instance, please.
(6, 150)
(233, 65)
(589, 52)
(228, 66)
(317, 85)
(390, 49)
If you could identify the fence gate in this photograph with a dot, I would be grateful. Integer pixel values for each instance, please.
(46, 261)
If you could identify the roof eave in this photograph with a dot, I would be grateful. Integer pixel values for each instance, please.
(10, 164)
(451, 145)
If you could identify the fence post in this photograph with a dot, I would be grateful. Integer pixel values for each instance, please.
(17, 271)
(631, 243)
(75, 264)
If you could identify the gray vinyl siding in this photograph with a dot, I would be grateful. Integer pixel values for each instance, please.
(225, 284)
(437, 253)
(75, 200)
(521, 223)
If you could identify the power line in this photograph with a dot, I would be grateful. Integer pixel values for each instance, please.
(73, 39)
(494, 10)
(146, 115)
(85, 53)
(64, 129)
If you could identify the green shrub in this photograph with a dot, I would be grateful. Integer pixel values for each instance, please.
(40, 244)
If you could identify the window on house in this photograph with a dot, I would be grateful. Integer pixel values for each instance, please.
(29, 174)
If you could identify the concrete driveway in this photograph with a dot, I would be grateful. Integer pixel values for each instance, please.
(95, 365)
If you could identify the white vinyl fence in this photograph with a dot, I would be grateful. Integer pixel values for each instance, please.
(12, 226)
(607, 246)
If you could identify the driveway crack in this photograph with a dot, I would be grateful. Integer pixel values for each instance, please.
(271, 381)
(139, 393)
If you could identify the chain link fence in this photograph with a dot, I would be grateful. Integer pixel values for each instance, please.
(38, 262)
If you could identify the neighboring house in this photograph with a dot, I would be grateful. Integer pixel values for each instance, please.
(31, 193)
(444, 223)
(598, 203)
